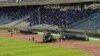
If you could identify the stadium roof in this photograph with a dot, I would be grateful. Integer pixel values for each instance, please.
(39, 2)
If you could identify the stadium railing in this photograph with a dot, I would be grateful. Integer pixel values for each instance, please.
(12, 24)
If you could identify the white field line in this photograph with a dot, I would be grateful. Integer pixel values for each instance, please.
(97, 39)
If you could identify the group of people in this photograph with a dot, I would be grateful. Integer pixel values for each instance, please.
(45, 15)
(60, 18)
(32, 39)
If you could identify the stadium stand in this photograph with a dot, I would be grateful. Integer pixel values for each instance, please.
(14, 23)
(57, 17)
(42, 15)
(76, 15)
(92, 23)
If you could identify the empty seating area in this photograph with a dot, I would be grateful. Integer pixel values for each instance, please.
(41, 15)
(10, 14)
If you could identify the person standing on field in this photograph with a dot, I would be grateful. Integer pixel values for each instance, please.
(33, 39)
(11, 32)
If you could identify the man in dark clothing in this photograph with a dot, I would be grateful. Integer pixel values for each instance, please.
(33, 39)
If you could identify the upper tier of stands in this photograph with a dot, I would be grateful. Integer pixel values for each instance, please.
(41, 15)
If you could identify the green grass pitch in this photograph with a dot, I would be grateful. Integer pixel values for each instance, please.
(11, 47)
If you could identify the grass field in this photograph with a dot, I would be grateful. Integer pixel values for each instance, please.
(94, 41)
(11, 47)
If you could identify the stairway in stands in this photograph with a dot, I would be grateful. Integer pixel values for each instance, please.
(23, 24)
